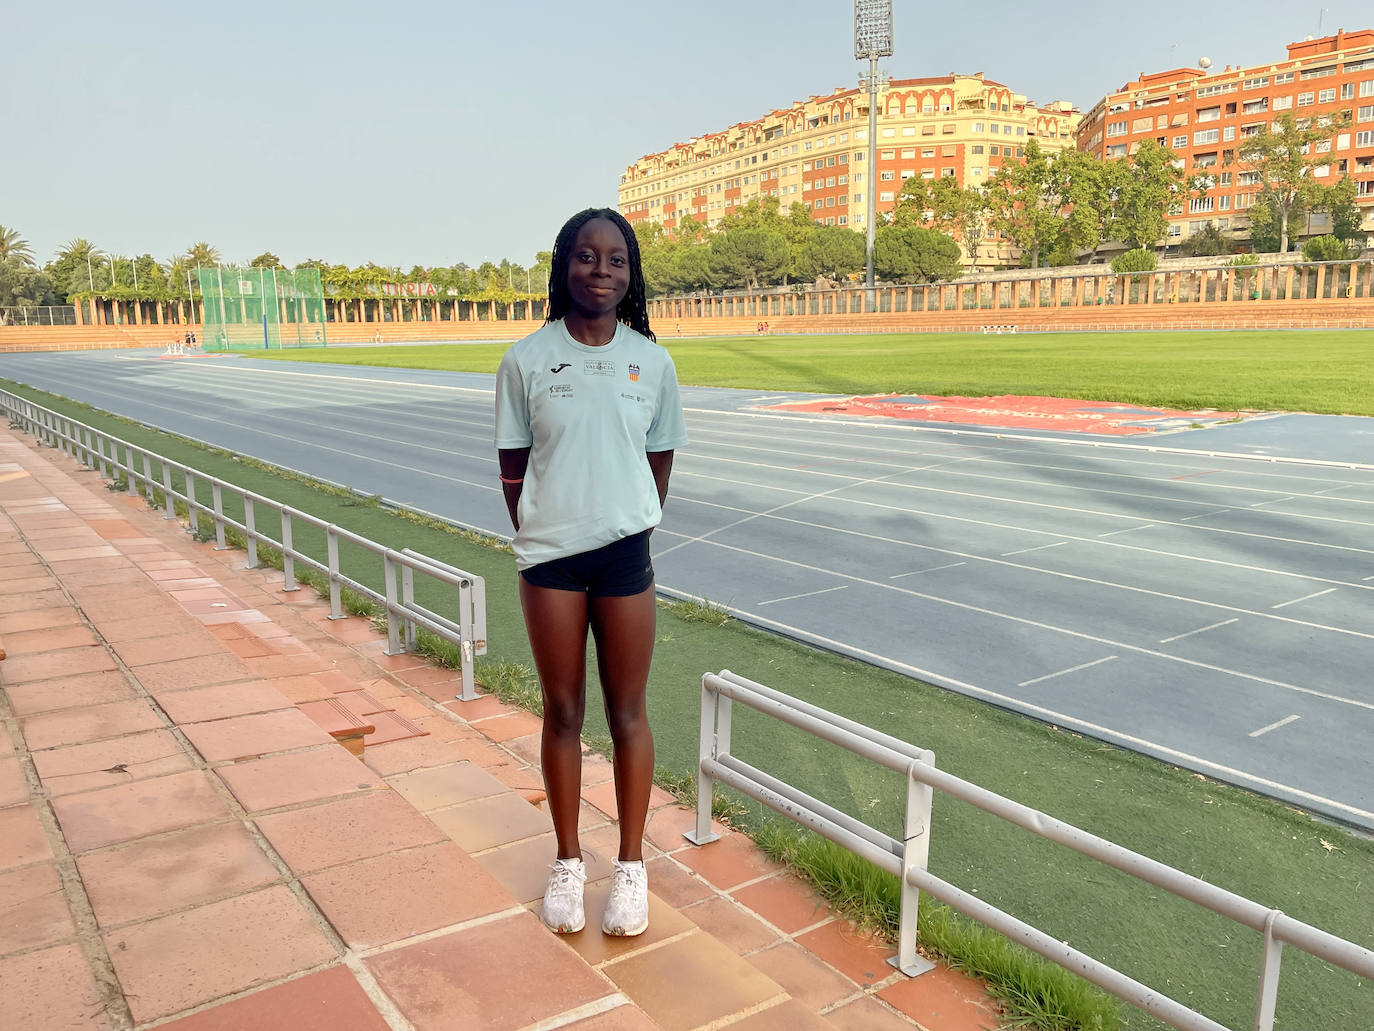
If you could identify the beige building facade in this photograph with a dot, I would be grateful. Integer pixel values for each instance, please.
(815, 153)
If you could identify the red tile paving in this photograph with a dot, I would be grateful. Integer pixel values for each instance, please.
(331, 1000)
(175, 871)
(164, 965)
(461, 980)
(183, 884)
(347, 831)
(401, 894)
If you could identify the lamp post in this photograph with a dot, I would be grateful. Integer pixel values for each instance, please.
(872, 40)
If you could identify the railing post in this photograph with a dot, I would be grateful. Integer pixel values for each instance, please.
(130, 476)
(465, 641)
(218, 501)
(331, 540)
(251, 533)
(288, 558)
(1269, 975)
(192, 516)
(915, 856)
(169, 507)
(393, 630)
(408, 602)
(711, 743)
(148, 487)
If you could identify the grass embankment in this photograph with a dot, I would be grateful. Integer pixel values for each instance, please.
(1253, 846)
(1275, 370)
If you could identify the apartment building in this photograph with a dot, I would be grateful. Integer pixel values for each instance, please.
(816, 151)
(1204, 115)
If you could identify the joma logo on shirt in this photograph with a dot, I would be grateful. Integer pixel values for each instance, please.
(593, 367)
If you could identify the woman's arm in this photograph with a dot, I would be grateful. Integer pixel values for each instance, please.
(514, 461)
(661, 465)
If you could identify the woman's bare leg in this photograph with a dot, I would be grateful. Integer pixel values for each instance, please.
(624, 631)
(557, 625)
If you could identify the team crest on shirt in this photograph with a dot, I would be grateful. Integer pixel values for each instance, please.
(634, 373)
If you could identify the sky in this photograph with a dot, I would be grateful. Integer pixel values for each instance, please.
(442, 131)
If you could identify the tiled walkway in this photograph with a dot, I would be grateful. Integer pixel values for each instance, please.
(182, 845)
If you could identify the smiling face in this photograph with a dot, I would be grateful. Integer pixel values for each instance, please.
(598, 269)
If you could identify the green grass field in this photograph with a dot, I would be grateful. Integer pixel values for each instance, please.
(1255, 847)
(1330, 371)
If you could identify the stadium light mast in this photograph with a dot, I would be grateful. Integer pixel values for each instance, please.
(872, 40)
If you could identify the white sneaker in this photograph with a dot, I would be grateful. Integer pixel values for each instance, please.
(627, 909)
(563, 897)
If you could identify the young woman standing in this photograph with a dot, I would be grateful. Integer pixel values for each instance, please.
(587, 420)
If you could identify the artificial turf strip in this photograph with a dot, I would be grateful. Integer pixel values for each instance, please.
(1326, 371)
(1253, 846)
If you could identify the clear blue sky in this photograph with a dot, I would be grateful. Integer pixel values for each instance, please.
(440, 131)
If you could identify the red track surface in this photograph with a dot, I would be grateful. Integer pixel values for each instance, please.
(1064, 415)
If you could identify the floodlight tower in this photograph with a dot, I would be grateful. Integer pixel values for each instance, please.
(872, 40)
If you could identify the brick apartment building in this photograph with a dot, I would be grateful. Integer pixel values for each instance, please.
(1203, 116)
(815, 152)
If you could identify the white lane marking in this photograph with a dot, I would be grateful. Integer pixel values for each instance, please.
(372, 382)
(808, 594)
(1199, 630)
(1048, 715)
(1204, 515)
(1129, 529)
(1067, 632)
(1274, 501)
(931, 569)
(910, 511)
(1062, 672)
(1038, 547)
(996, 439)
(1274, 726)
(1305, 597)
(1077, 578)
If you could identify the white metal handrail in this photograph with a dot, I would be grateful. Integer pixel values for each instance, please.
(907, 858)
(102, 451)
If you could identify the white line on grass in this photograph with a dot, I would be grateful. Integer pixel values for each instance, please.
(1274, 726)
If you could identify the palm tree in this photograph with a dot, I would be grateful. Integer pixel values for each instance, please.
(13, 246)
(75, 265)
(201, 254)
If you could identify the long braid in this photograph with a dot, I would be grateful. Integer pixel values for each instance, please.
(633, 310)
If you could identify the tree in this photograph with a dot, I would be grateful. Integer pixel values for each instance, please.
(22, 284)
(1026, 204)
(750, 257)
(1264, 224)
(1339, 201)
(1327, 248)
(1143, 187)
(79, 267)
(266, 260)
(1139, 259)
(832, 252)
(1207, 242)
(12, 246)
(202, 255)
(958, 211)
(915, 255)
(1283, 156)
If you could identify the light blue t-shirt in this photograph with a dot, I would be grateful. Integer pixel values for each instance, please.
(588, 415)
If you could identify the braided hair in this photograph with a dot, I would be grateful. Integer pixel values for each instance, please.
(633, 309)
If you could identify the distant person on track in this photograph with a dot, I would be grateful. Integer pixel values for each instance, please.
(587, 419)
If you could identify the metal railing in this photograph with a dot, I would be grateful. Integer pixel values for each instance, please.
(906, 858)
(38, 315)
(405, 616)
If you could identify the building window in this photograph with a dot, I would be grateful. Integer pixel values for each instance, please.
(1180, 142)
(843, 219)
(1283, 77)
(1203, 136)
(1282, 103)
(1347, 91)
(885, 196)
(1305, 99)
(947, 173)
(910, 152)
(1326, 96)
(978, 126)
(1365, 139)
(1366, 113)
(1117, 129)
(887, 176)
(1367, 88)
(976, 149)
(926, 152)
